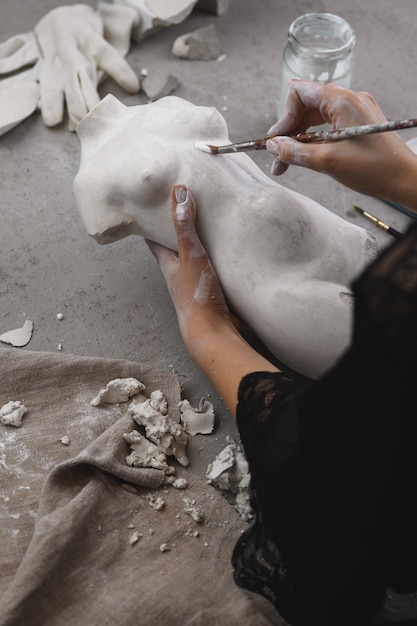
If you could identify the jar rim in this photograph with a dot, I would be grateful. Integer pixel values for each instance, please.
(346, 34)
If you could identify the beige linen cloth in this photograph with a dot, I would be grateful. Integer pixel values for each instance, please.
(68, 512)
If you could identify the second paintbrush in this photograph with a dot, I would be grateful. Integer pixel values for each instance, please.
(320, 136)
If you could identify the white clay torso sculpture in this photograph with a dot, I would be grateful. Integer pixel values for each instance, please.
(284, 261)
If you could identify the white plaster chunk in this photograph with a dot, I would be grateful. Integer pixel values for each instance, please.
(20, 336)
(65, 440)
(193, 511)
(134, 538)
(230, 471)
(159, 83)
(180, 483)
(11, 414)
(156, 502)
(197, 420)
(164, 432)
(164, 547)
(118, 390)
(144, 453)
(158, 401)
(202, 44)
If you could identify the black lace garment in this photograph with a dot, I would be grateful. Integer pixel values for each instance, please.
(334, 464)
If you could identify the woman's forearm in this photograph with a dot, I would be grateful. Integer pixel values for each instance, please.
(224, 356)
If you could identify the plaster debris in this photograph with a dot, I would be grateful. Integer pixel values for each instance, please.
(20, 336)
(60, 316)
(164, 432)
(60, 346)
(157, 503)
(164, 547)
(180, 483)
(230, 471)
(65, 440)
(158, 401)
(144, 453)
(193, 511)
(197, 420)
(118, 390)
(11, 414)
(134, 538)
(202, 44)
(159, 83)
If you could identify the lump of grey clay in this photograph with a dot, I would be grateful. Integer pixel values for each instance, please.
(202, 44)
(11, 413)
(159, 83)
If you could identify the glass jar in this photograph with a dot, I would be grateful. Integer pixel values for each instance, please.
(320, 48)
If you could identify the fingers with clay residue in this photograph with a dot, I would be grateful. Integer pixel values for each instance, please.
(183, 205)
(290, 151)
(183, 214)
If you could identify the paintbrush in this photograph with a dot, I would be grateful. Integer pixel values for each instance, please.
(320, 136)
(375, 220)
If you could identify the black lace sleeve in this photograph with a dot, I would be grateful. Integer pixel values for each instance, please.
(268, 427)
(333, 464)
(386, 298)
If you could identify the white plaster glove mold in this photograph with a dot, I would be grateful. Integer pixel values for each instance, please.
(72, 56)
(17, 52)
(157, 14)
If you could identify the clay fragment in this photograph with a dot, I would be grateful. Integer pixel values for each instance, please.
(197, 420)
(164, 432)
(144, 453)
(118, 390)
(159, 83)
(11, 413)
(230, 471)
(20, 336)
(202, 44)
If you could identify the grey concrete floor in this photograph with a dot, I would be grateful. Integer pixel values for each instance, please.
(113, 297)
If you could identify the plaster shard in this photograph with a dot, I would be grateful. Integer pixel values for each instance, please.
(20, 336)
(230, 471)
(164, 432)
(158, 401)
(11, 413)
(159, 83)
(144, 453)
(197, 420)
(118, 390)
(202, 44)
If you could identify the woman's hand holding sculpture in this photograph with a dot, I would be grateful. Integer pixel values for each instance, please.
(209, 330)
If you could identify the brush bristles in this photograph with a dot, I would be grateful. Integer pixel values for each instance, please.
(204, 147)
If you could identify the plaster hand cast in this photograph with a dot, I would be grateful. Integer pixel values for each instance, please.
(158, 14)
(70, 57)
(73, 48)
(285, 262)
